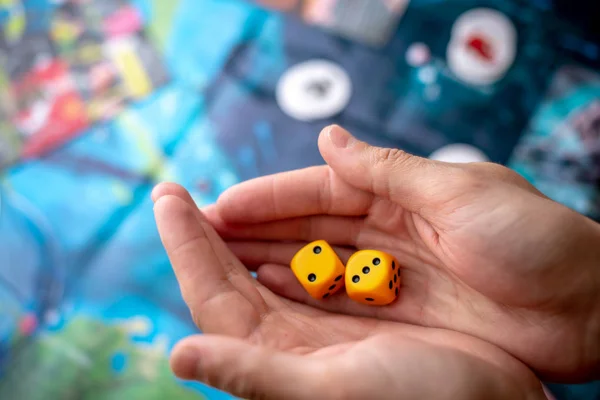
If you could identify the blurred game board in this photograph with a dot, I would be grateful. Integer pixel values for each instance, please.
(100, 100)
(76, 68)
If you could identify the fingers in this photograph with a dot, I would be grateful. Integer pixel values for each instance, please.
(254, 254)
(219, 291)
(343, 231)
(173, 189)
(249, 371)
(281, 280)
(413, 182)
(310, 191)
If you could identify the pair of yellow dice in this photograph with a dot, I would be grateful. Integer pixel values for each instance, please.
(371, 277)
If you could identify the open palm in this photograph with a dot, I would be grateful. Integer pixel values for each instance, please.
(257, 344)
(483, 252)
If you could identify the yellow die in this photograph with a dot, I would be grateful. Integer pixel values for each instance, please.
(372, 277)
(319, 269)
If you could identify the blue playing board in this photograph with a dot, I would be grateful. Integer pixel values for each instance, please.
(89, 307)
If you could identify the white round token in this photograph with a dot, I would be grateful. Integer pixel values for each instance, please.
(484, 19)
(459, 153)
(483, 46)
(418, 54)
(314, 90)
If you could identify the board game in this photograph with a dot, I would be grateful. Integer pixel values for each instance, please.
(102, 99)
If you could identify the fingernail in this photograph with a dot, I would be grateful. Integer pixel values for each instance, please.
(340, 137)
(155, 195)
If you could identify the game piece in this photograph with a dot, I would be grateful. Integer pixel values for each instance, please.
(319, 269)
(314, 90)
(483, 46)
(418, 54)
(373, 277)
(459, 153)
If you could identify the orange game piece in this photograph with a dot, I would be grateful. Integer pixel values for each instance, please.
(319, 269)
(372, 277)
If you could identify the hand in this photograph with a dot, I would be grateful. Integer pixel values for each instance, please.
(259, 345)
(484, 253)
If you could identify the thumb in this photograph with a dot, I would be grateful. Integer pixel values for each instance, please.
(249, 371)
(415, 183)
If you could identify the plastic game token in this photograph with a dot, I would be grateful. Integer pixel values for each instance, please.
(459, 153)
(483, 46)
(314, 90)
(418, 54)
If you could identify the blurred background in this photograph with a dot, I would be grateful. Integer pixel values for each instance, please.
(102, 99)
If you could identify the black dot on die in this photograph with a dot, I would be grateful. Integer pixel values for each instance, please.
(369, 299)
(398, 272)
(356, 279)
(338, 278)
(331, 287)
(326, 295)
(395, 278)
(396, 291)
(366, 270)
(317, 250)
(376, 261)
(312, 277)
(391, 285)
(393, 265)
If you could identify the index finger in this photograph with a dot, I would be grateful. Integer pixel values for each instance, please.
(220, 293)
(310, 191)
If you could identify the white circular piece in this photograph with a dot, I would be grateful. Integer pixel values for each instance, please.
(418, 54)
(459, 154)
(314, 90)
(483, 46)
(485, 19)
